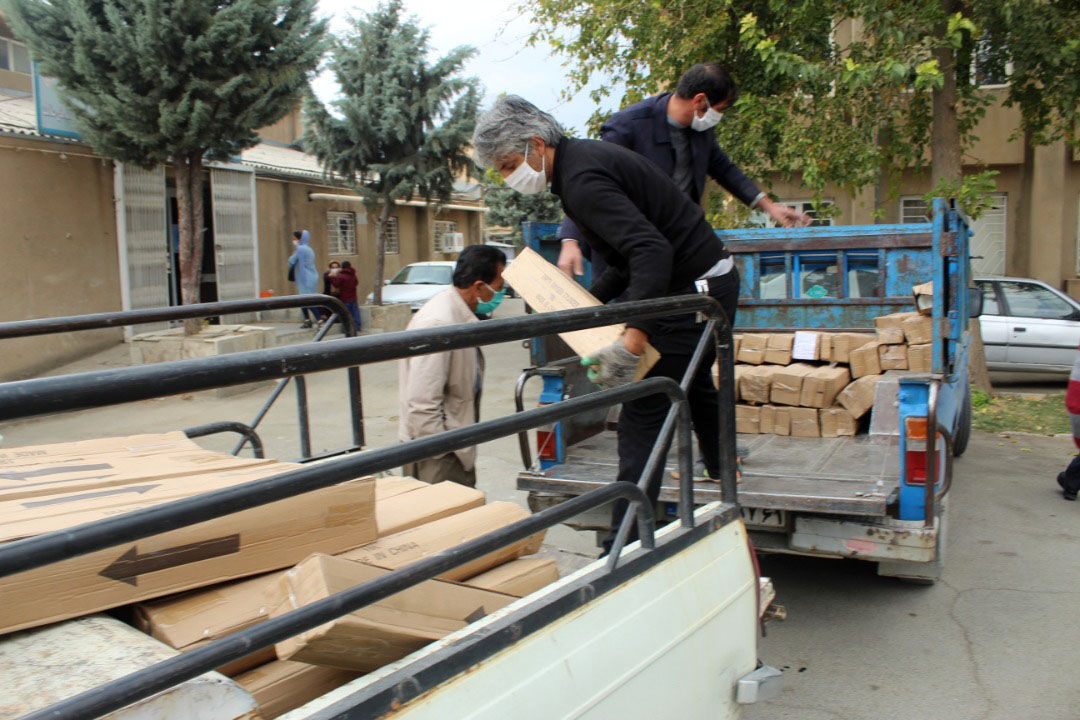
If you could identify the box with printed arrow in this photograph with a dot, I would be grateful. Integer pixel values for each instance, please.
(135, 476)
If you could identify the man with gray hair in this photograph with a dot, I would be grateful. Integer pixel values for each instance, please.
(656, 243)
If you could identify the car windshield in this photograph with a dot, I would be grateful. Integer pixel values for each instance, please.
(424, 275)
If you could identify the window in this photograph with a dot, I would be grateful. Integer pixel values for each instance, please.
(773, 277)
(990, 301)
(1035, 301)
(863, 279)
(989, 65)
(341, 233)
(14, 56)
(424, 274)
(759, 219)
(393, 241)
(444, 236)
(818, 275)
(913, 209)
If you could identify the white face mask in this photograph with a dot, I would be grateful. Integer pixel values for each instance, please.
(706, 121)
(526, 180)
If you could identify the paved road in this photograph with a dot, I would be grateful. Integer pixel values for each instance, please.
(997, 638)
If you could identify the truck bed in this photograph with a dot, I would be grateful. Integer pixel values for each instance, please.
(847, 476)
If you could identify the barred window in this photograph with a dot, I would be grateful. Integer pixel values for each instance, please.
(445, 240)
(341, 233)
(913, 209)
(393, 241)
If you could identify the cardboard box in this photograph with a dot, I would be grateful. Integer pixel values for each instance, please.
(767, 419)
(837, 422)
(821, 386)
(193, 619)
(866, 360)
(825, 347)
(281, 685)
(893, 357)
(519, 577)
(858, 397)
(390, 486)
(924, 298)
(804, 422)
(778, 350)
(400, 549)
(424, 504)
(787, 383)
(85, 450)
(737, 344)
(382, 632)
(920, 358)
(781, 421)
(843, 343)
(740, 370)
(752, 349)
(918, 329)
(890, 335)
(747, 419)
(806, 345)
(245, 543)
(755, 383)
(547, 289)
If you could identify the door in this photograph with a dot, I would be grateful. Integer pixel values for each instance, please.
(233, 206)
(142, 237)
(988, 238)
(994, 326)
(1044, 325)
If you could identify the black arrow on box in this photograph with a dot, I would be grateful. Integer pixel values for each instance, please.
(128, 567)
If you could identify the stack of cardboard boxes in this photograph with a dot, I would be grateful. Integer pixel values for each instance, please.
(190, 586)
(820, 384)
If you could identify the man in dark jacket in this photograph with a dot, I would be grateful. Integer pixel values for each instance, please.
(656, 242)
(344, 279)
(675, 131)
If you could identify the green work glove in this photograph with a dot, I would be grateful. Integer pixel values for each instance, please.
(611, 366)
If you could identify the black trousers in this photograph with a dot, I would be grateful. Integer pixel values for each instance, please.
(640, 420)
(1072, 475)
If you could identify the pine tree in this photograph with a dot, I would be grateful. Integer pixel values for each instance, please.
(174, 80)
(401, 124)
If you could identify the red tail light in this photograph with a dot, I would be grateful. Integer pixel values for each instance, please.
(545, 443)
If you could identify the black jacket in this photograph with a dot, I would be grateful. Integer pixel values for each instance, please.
(654, 238)
(643, 127)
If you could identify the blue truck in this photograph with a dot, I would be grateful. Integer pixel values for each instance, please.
(865, 497)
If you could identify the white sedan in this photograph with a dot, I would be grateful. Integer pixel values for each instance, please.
(417, 283)
(1028, 326)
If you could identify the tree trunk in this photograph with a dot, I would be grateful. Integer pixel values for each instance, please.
(945, 156)
(380, 250)
(189, 206)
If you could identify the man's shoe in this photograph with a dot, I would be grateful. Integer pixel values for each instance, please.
(305, 324)
(1069, 494)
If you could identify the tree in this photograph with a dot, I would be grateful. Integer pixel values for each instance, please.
(401, 123)
(511, 208)
(174, 80)
(833, 109)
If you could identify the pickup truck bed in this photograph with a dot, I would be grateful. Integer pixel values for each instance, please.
(847, 475)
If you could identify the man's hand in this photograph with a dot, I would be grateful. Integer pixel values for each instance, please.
(784, 215)
(611, 366)
(571, 260)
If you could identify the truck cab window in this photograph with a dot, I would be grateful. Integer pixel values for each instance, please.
(819, 276)
(863, 278)
(773, 277)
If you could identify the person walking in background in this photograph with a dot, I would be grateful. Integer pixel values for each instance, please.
(303, 272)
(328, 287)
(1069, 479)
(344, 280)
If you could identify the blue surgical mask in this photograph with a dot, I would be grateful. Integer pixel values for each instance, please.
(486, 307)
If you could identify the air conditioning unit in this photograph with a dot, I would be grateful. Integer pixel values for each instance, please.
(453, 242)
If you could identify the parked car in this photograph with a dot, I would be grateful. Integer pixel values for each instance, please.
(417, 283)
(1028, 325)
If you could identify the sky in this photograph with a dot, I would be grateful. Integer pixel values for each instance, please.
(503, 63)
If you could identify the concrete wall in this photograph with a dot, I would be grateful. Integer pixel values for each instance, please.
(58, 247)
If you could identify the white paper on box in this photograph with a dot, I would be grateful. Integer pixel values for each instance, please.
(805, 346)
(547, 289)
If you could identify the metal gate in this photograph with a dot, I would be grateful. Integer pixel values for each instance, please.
(988, 238)
(142, 239)
(233, 207)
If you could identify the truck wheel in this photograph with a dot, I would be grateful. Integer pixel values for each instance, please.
(962, 433)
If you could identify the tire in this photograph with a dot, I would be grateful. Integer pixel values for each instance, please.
(962, 433)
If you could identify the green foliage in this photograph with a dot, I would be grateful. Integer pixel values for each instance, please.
(972, 192)
(819, 101)
(172, 78)
(402, 123)
(511, 208)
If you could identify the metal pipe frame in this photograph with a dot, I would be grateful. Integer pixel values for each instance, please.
(160, 676)
(22, 555)
(214, 428)
(519, 405)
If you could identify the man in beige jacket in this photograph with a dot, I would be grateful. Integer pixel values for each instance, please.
(441, 391)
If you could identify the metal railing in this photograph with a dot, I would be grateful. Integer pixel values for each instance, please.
(122, 318)
(85, 390)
